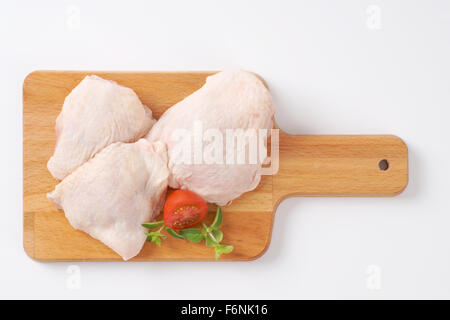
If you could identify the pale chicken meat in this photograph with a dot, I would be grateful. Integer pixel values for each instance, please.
(229, 100)
(112, 194)
(95, 114)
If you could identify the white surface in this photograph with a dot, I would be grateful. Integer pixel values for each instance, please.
(330, 71)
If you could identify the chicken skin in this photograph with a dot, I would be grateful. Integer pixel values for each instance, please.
(229, 100)
(95, 114)
(112, 194)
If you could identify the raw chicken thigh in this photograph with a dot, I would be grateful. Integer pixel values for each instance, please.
(228, 100)
(95, 114)
(111, 195)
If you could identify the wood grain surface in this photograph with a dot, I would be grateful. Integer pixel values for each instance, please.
(309, 165)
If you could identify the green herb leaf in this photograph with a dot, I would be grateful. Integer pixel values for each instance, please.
(152, 225)
(212, 235)
(218, 235)
(153, 234)
(210, 242)
(192, 235)
(204, 230)
(217, 220)
(221, 249)
(156, 236)
(173, 233)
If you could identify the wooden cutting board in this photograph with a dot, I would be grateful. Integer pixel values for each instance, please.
(309, 165)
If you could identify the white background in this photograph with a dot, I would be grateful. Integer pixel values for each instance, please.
(358, 67)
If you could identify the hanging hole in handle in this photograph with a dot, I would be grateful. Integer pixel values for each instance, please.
(383, 165)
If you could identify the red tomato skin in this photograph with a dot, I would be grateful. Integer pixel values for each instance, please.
(184, 209)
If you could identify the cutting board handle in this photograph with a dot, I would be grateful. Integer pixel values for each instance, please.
(340, 165)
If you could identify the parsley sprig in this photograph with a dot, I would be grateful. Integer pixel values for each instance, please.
(211, 234)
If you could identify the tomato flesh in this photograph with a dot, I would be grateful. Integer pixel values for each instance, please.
(184, 209)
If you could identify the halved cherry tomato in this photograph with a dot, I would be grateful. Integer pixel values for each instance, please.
(184, 209)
